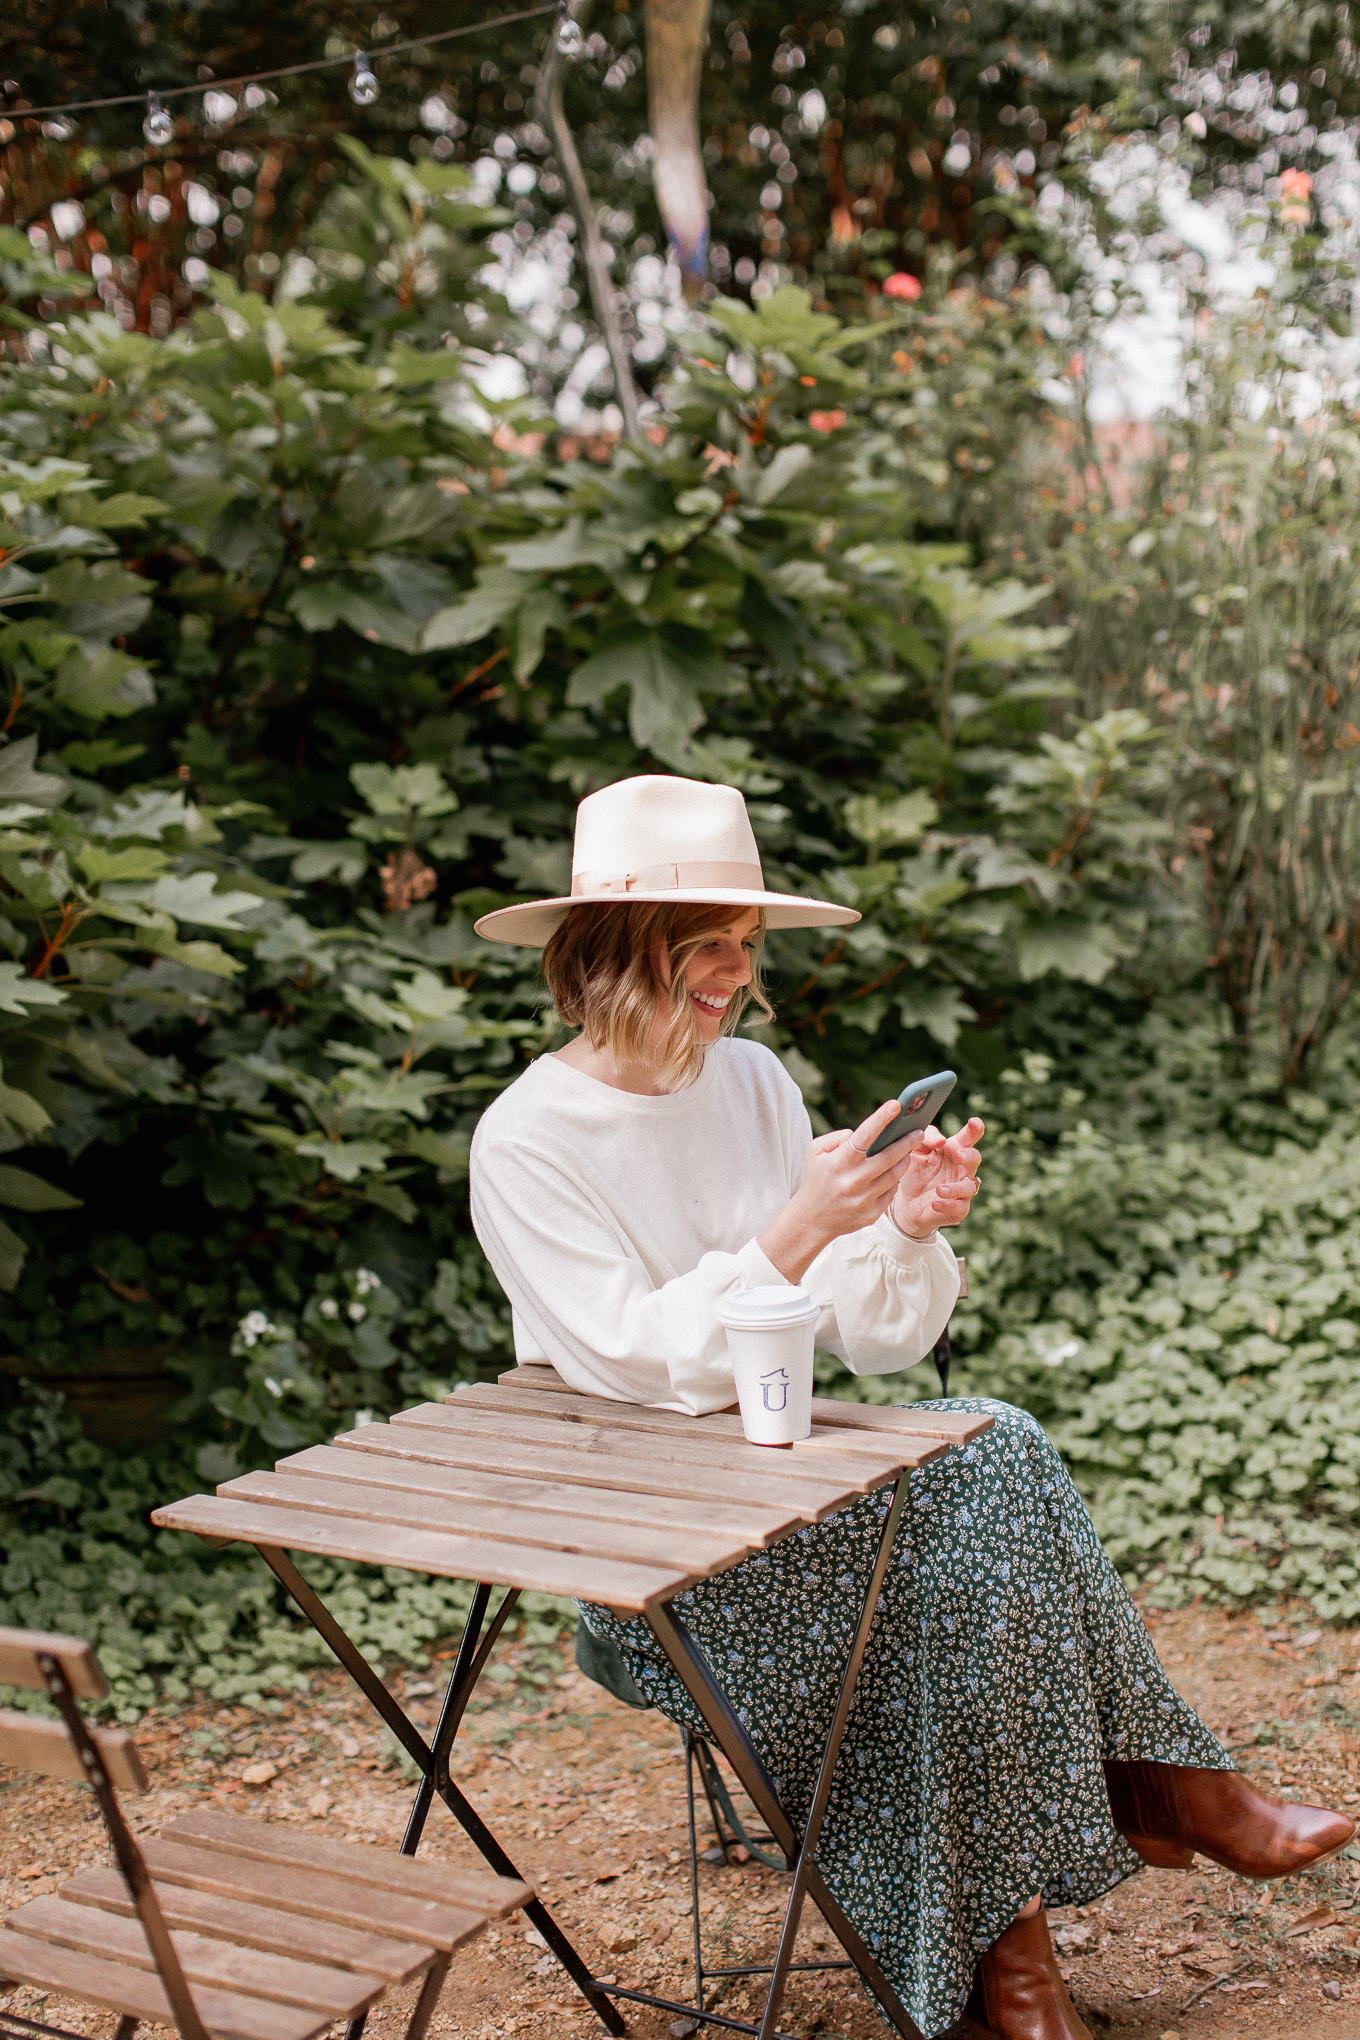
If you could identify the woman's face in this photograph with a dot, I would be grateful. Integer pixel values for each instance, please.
(720, 966)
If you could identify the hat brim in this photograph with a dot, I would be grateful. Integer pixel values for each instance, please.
(532, 922)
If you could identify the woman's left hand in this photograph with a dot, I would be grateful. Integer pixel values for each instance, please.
(939, 1182)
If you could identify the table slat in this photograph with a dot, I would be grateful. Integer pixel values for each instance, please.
(329, 1495)
(445, 1446)
(958, 1427)
(859, 1472)
(628, 1588)
(753, 1522)
(637, 1417)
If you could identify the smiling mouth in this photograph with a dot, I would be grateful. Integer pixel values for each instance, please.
(710, 1003)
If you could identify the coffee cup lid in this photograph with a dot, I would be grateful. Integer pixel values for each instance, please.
(767, 1308)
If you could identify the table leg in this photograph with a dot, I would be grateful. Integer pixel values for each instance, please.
(471, 1657)
(697, 1676)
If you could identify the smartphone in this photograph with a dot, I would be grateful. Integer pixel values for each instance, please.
(920, 1104)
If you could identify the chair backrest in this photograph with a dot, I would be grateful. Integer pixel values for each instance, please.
(20, 1650)
(30, 1744)
(64, 1667)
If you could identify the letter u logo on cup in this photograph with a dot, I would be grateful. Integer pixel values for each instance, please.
(769, 1341)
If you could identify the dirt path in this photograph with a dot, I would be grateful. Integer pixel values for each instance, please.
(589, 1798)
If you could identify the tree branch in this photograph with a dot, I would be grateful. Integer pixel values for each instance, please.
(552, 116)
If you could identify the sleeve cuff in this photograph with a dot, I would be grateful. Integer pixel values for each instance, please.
(756, 1268)
(899, 1246)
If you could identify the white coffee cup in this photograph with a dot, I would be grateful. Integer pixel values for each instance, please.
(769, 1337)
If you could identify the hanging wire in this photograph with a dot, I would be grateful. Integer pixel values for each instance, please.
(419, 42)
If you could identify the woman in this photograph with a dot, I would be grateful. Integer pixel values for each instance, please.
(1013, 1742)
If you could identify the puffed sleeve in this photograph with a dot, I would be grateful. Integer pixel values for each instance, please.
(884, 1298)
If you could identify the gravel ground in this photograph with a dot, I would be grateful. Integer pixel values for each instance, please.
(589, 1799)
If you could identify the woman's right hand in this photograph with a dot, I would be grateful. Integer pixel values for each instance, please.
(843, 1190)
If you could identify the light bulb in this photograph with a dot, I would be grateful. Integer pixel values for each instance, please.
(220, 108)
(59, 128)
(570, 40)
(158, 126)
(363, 86)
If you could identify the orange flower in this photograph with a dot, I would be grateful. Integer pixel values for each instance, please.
(901, 285)
(827, 421)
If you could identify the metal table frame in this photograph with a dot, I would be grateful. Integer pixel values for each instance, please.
(690, 1665)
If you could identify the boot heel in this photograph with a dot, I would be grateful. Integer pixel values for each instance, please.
(1160, 1852)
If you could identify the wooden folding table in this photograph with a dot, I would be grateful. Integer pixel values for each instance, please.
(527, 1486)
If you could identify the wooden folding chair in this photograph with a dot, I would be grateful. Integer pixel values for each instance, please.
(221, 1925)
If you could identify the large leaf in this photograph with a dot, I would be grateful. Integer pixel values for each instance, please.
(492, 602)
(21, 781)
(878, 822)
(21, 994)
(322, 605)
(664, 671)
(12, 1253)
(1085, 950)
(23, 1191)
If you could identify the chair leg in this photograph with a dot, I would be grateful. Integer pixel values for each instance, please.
(428, 1999)
(944, 1354)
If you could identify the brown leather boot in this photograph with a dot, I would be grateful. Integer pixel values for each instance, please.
(1018, 1992)
(1168, 1811)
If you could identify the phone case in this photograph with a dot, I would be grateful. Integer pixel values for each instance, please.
(920, 1104)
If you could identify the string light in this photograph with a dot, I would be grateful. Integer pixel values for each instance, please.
(158, 127)
(363, 86)
(57, 122)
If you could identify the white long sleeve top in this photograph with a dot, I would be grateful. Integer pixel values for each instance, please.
(616, 1225)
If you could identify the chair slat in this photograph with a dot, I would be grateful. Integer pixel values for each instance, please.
(314, 1896)
(19, 1650)
(283, 1979)
(29, 1743)
(444, 1883)
(136, 1995)
(258, 1926)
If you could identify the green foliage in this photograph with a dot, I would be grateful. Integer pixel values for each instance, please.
(171, 1619)
(1215, 587)
(362, 642)
(1181, 1317)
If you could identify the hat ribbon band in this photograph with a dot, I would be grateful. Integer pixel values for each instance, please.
(698, 875)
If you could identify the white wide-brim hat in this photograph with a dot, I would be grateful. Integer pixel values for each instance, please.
(668, 840)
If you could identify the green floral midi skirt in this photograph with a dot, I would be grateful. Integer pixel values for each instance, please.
(1005, 1662)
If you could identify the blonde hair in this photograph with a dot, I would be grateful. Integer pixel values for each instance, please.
(602, 964)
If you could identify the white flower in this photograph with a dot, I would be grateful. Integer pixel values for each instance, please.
(364, 1281)
(253, 1324)
(328, 1307)
(358, 1312)
(272, 1386)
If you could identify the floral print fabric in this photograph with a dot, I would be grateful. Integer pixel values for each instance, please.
(1006, 1660)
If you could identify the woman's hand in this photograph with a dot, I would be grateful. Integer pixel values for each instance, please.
(843, 1190)
(939, 1182)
